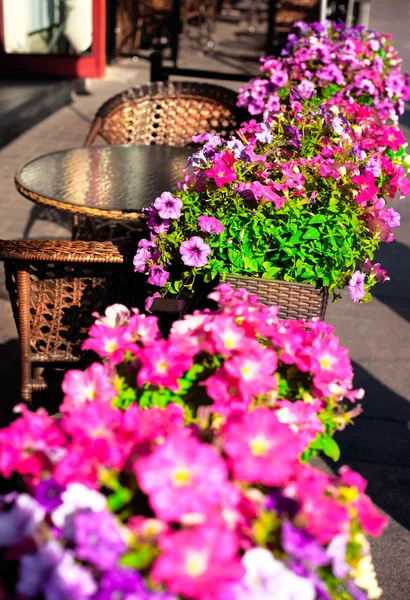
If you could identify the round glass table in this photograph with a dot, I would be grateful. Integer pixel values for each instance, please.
(112, 182)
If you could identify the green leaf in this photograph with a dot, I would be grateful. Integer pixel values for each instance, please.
(311, 233)
(120, 498)
(235, 257)
(318, 219)
(330, 448)
(140, 559)
(296, 238)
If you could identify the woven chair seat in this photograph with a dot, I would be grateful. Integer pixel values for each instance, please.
(54, 288)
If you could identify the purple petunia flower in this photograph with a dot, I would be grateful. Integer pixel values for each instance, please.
(157, 275)
(355, 592)
(295, 137)
(303, 546)
(98, 538)
(52, 570)
(338, 126)
(48, 494)
(210, 224)
(122, 583)
(336, 551)
(265, 136)
(195, 252)
(167, 206)
(155, 222)
(356, 286)
(393, 219)
(20, 521)
(304, 91)
(374, 167)
(141, 259)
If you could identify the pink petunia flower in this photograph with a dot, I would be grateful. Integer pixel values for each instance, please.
(107, 342)
(182, 476)
(167, 206)
(375, 271)
(301, 417)
(199, 562)
(95, 430)
(30, 444)
(356, 286)
(261, 448)
(367, 188)
(194, 252)
(221, 173)
(163, 364)
(314, 490)
(210, 224)
(158, 276)
(254, 371)
(81, 387)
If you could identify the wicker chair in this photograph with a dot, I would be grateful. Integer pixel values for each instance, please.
(158, 114)
(166, 113)
(54, 287)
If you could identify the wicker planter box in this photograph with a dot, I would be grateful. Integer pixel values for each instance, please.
(296, 300)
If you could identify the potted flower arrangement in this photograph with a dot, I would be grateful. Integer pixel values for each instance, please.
(222, 363)
(141, 503)
(339, 63)
(297, 200)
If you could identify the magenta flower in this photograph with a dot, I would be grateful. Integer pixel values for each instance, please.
(107, 342)
(182, 476)
(195, 252)
(367, 189)
(167, 206)
(199, 562)
(376, 271)
(81, 387)
(301, 417)
(98, 539)
(254, 371)
(260, 448)
(221, 173)
(356, 286)
(210, 224)
(158, 276)
(163, 364)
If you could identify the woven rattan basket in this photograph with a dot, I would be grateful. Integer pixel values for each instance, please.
(296, 300)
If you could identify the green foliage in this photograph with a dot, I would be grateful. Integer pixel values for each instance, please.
(316, 238)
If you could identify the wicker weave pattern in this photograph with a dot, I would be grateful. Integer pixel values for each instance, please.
(167, 113)
(54, 287)
(296, 300)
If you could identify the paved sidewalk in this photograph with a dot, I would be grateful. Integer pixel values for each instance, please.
(377, 334)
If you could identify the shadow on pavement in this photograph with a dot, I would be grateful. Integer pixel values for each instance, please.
(395, 259)
(379, 448)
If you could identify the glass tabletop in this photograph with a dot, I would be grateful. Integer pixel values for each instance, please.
(112, 178)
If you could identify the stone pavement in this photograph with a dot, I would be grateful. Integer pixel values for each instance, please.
(377, 334)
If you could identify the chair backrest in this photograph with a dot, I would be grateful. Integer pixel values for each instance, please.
(166, 113)
(55, 287)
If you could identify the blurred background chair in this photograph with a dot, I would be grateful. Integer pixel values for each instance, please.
(54, 286)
